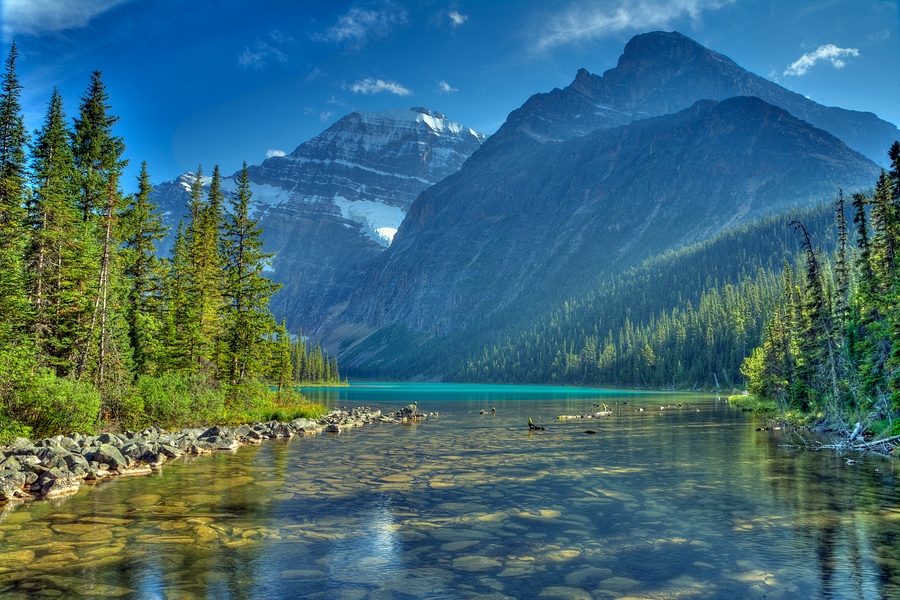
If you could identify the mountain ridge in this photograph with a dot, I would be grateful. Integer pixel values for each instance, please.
(665, 72)
(332, 205)
(560, 212)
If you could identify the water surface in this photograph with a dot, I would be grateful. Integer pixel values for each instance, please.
(683, 499)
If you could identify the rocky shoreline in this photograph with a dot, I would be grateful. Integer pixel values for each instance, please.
(59, 465)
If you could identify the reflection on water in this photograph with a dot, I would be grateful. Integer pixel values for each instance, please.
(664, 502)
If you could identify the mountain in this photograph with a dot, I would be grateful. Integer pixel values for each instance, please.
(672, 146)
(662, 73)
(516, 233)
(332, 206)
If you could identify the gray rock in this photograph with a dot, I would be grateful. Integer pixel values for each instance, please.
(134, 450)
(70, 444)
(10, 464)
(282, 431)
(75, 460)
(61, 486)
(216, 431)
(111, 456)
(303, 425)
(170, 451)
(56, 461)
(11, 485)
(30, 449)
(28, 461)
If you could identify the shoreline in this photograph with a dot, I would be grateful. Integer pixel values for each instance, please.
(57, 466)
(766, 412)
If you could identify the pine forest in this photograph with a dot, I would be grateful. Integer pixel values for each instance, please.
(95, 328)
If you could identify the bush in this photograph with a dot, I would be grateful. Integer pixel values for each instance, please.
(51, 405)
(174, 400)
(272, 405)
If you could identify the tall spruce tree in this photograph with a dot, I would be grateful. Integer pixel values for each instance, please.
(59, 245)
(98, 158)
(247, 292)
(142, 228)
(208, 263)
(180, 320)
(14, 305)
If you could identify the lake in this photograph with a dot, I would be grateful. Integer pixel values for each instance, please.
(675, 496)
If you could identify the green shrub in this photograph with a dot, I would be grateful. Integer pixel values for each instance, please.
(51, 405)
(174, 400)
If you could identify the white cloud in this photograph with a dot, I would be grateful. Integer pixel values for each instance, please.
(325, 115)
(259, 56)
(828, 52)
(360, 23)
(280, 37)
(376, 86)
(271, 153)
(878, 37)
(588, 20)
(35, 17)
(457, 19)
(444, 88)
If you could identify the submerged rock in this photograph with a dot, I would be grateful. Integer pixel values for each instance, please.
(55, 466)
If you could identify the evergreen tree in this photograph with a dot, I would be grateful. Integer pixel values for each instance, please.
(842, 265)
(180, 327)
(142, 228)
(97, 151)
(247, 319)
(59, 248)
(98, 158)
(208, 267)
(14, 306)
(280, 364)
(884, 238)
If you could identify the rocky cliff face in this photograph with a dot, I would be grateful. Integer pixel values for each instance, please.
(662, 73)
(333, 205)
(544, 222)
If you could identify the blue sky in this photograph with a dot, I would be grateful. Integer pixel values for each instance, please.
(220, 82)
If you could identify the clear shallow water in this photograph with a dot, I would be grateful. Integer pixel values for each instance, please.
(684, 502)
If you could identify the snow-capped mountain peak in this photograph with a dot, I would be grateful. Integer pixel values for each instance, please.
(334, 204)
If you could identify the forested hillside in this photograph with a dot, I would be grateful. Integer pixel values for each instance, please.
(683, 319)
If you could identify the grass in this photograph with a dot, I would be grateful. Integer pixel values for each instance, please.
(768, 410)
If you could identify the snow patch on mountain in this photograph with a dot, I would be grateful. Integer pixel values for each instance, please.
(379, 221)
(435, 120)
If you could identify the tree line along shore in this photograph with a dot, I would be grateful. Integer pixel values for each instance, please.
(96, 330)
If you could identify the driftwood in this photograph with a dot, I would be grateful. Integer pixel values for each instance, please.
(885, 445)
(602, 413)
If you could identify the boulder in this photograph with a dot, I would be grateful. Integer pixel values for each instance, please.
(170, 451)
(11, 485)
(10, 464)
(109, 438)
(60, 486)
(282, 430)
(74, 461)
(110, 455)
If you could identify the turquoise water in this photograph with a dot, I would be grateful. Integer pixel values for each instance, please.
(683, 499)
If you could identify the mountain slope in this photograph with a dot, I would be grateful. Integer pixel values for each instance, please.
(542, 224)
(662, 73)
(331, 206)
(671, 302)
